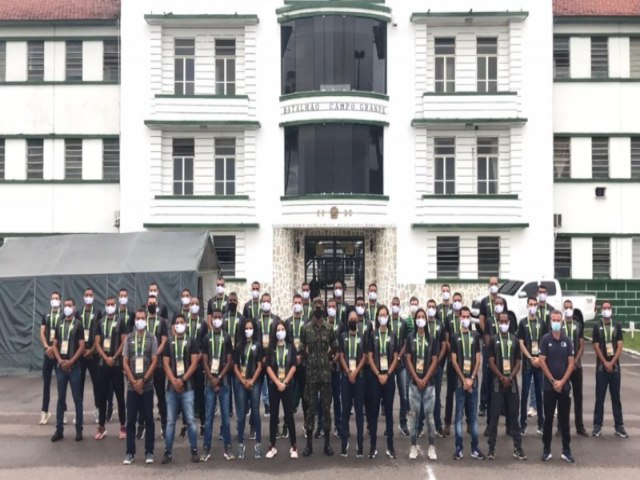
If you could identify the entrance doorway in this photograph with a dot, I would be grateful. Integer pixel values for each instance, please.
(329, 259)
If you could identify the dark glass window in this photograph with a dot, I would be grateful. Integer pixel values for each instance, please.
(334, 53)
(333, 158)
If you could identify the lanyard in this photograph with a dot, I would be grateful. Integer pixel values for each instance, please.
(372, 315)
(491, 306)
(126, 315)
(69, 328)
(508, 347)
(155, 324)
(105, 328)
(84, 325)
(382, 342)
(543, 314)
(136, 344)
(247, 355)
(181, 350)
(353, 350)
(464, 350)
(235, 324)
(604, 327)
(296, 331)
(443, 311)
(421, 344)
(262, 324)
(537, 330)
(454, 322)
(397, 327)
(53, 319)
(253, 313)
(213, 345)
(567, 329)
(220, 302)
(431, 334)
(280, 359)
(193, 323)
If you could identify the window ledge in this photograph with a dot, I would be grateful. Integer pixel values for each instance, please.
(335, 196)
(202, 197)
(339, 93)
(203, 226)
(61, 182)
(596, 180)
(596, 80)
(221, 97)
(235, 279)
(495, 121)
(467, 226)
(471, 196)
(459, 94)
(33, 83)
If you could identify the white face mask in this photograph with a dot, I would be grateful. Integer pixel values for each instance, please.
(533, 310)
(556, 326)
(383, 320)
(431, 312)
(248, 333)
(55, 303)
(373, 296)
(194, 309)
(110, 309)
(185, 301)
(266, 306)
(281, 335)
(153, 294)
(395, 309)
(421, 322)
(123, 300)
(180, 328)
(493, 289)
(504, 327)
(359, 310)
(499, 308)
(465, 322)
(141, 324)
(88, 300)
(542, 297)
(331, 312)
(297, 308)
(68, 311)
(337, 292)
(606, 313)
(255, 294)
(457, 305)
(413, 309)
(305, 294)
(219, 289)
(568, 312)
(217, 323)
(446, 296)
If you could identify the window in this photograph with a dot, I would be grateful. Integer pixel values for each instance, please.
(635, 249)
(600, 157)
(601, 256)
(448, 257)
(35, 158)
(445, 166)
(487, 51)
(184, 66)
(561, 58)
(561, 157)
(487, 165)
(183, 153)
(2, 159)
(635, 157)
(599, 57)
(225, 67)
(445, 63)
(111, 159)
(225, 168)
(111, 61)
(35, 61)
(74, 60)
(334, 53)
(488, 257)
(3, 61)
(334, 158)
(225, 247)
(562, 257)
(634, 57)
(73, 159)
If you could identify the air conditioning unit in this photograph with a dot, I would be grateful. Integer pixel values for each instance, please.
(557, 220)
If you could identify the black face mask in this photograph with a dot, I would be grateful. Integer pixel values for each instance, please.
(317, 312)
(152, 309)
(233, 306)
(353, 325)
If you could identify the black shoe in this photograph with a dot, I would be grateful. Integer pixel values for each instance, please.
(491, 455)
(140, 432)
(391, 453)
(360, 451)
(78, 435)
(519, 454)
(308, 449)
(194, 456)
(318, 434)
(440, 432)
(621, 432)
(166, 459)
(404, 431)
(328, 451)
(482, 412)
(57, 436)
(582, 432)
(285, 431)
(373, 453)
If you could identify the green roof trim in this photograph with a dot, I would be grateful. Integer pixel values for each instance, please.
(417, 122)
(417, 16)
(596, 180)
(596, 80)
(35, 83)
(323, 121)
(467, 226)
(197, 123)
(202, 197)
(471, 196)
(598, 134)
(56, 182)
(205, 226)
(168, 17)
(42, 234)
(599, 234)
(311, 94)
(335, 196)
(335, 4)
(461, 94)
(235, 279)
(61, 23)
(232, 97)
(55, 136)
(594, 19)
(59, 38)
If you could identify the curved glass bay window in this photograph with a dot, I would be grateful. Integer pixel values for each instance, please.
(334, 53)
(333, 158)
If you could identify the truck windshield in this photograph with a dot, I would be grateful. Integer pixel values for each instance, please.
(510, 287)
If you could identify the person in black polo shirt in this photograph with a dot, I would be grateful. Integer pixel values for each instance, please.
(575, 332)
(504, 361)
(422, 363)
(154, 291)
(89, 318)
(68, 348)
(607, 343)
(126, 316)
(111, 334)
(451, 328)
(352, 360)
(48, 327)
(197, 329)
(180, 362)
(219, 301)
(342, 307)
(436, 331)
(372, 306)
(251, 308)
(399, 326)
(557, 363)
(185, 303)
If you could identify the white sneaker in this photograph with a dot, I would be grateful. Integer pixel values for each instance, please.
(293, 453)
(431, 453)
(44, 418)
(95, 415)
(413, 452)
(532, 412)
(272, 452)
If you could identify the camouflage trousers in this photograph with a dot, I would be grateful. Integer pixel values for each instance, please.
(310, 399)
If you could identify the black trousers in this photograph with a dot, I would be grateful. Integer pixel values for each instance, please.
(576, 388)
(551, 399)
(198, 395)
(286, 398)
(90, 364)
(159, 385)
(110, 378)
(509, 401)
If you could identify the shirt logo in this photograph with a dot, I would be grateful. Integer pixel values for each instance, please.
(564, 344)
(253, 348)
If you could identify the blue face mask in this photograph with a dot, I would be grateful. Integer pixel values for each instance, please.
(556, 326)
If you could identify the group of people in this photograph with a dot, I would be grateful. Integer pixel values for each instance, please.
(355, 357)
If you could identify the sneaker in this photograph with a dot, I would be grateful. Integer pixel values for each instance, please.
(360, 452)
(206, 455)
(95, 416)
(532, 412)
(567, 456)
(57, 436)
(597, 431)
(148, 458)
(344, 451)
(335, 432)
(293, 453)
(123, 433)
(539, 431)
(266, 412)
(285, 432)
(318, 434)
(227, 455)
(257, 451)
(373, 453)
(271, 453)
(458, 455)
(491, 455)
(582, 432)
(101, 433)
(519, 454)
(44, 418)
(546, 456)
(78, 436)
(128, 459)
(241, 450)
(194, 456)
(440, 432)
(477, 454)
(431, 453)
(183, 432)
(140, 432)
(413, 452)
(621, 432)
(404, 431)
(523, 432)
(252, 433)
(166, 458)
(391, 453)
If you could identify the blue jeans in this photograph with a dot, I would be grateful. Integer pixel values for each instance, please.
(243, 397)
(527, 375)
(143, 405)
(265, 392)
(403, 393)
(185, 401)
(224, 397)
(352, 395)
(467, 401)
(63, 379)
(422, 401)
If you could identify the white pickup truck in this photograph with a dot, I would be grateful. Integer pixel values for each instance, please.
(516, 292)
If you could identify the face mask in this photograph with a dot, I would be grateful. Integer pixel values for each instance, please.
(504, 327)
(153, 294)
(360, 310)
(233, 306)
(499, 308)
(123, 300)
(266, 307)
(606, 313)
(141, 324)
(331, 312)
(457, 305)
(68, 311)
(337, 292)
(395, 309)
(421, 322)
(465, 322)
(219, 289)
(431, 312)
(110, 309)
(255, 294)
(180, 328)
(55, 303)
(446, 296)
(217, 323)
(152, 309)
(542, 297)
(353, 325)
(194, 309)
(413, 309)
(305, 294)
(373, 296)
(533, 310)
(493, 289)
(297, 308)
(281, 334)
(317, 312)
(88, 300)
(185, 301)
(556, 326)
(248, 333)
(568, 313)
(383, 321)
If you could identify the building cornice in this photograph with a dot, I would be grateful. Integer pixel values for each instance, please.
(206, 226)
(356, 8)
(469, 226)
(594, 19)
(349, 93)
(202, 124)
(323, 121)
(204, 20)
(471, 197)
(468, 18)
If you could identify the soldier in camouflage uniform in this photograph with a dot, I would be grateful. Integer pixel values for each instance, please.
(318, 344)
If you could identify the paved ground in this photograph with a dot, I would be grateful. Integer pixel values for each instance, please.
(26, 450)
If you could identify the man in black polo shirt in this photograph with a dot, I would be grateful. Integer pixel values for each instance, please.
(89, 318)
(575, 332)
(48, 327)
(251, 308)
(557, 363)
(219, 301)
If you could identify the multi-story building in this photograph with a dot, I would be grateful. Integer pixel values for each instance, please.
(60, 117)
